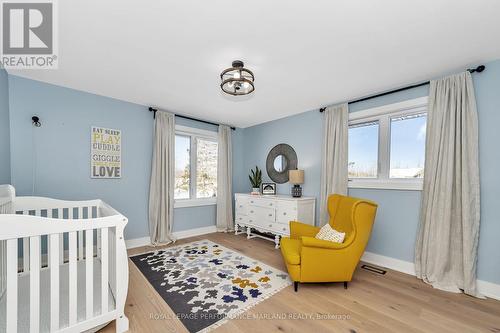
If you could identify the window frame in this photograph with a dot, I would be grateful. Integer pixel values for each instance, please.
(383, 115)
(194, 133)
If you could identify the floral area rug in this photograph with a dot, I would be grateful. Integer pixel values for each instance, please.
(205, 283)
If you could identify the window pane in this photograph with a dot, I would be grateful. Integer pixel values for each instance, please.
(363, 150)
(408, 146)
(206, 169)
(182, 165)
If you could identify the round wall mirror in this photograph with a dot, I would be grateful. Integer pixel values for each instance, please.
(280, 160)
(280, 163)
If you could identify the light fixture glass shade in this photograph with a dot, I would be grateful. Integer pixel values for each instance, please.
(296, 176)
(237, 80)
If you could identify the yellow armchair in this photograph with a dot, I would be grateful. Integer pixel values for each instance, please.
(314, 260)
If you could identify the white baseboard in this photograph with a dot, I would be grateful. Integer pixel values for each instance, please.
(195, 232)
(143, 241)
(488, 289)
(388, 262)
(137, 242)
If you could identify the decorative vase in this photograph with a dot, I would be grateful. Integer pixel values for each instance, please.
(255, 190)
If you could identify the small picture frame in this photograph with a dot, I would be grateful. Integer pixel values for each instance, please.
(268, 188)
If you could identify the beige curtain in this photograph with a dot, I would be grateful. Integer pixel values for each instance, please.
(334, 160)
(161, 188)
(447, 240)
(224, 181)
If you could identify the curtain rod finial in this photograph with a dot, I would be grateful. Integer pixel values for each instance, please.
(478, 69)
(151, 109)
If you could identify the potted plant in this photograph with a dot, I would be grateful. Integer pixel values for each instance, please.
(255, 179)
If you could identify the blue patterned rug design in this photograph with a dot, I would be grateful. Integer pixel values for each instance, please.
(205, 283)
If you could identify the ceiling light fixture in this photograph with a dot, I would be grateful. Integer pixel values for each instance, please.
(237, 80)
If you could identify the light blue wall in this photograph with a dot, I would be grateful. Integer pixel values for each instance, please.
(397, 218)
(62, 159)
(487, 87)
(63, 146)
(4, 129)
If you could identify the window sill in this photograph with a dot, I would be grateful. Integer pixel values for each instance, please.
(183, 203)
(408, 185)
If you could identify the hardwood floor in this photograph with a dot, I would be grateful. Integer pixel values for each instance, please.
(394, 302)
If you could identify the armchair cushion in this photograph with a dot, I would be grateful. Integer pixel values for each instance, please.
(290, 248)
(323, 244)
(298, 229)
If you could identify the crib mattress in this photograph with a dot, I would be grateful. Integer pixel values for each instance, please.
(23, 298)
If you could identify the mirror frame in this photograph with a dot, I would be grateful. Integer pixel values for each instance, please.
(289, 153)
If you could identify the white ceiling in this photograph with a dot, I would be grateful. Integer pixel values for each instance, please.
(304, 54)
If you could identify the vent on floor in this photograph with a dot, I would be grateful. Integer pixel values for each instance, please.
(374, 269)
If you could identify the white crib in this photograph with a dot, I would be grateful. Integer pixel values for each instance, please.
(63, 265)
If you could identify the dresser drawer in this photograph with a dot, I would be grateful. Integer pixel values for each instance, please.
(262, 202)
(240, 219)
(286, 206)
(241, 207)
(284, 216)
(261, 213)
(281, 228)
(286, 211)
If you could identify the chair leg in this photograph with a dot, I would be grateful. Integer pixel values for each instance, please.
(296, 286)
(345, 284)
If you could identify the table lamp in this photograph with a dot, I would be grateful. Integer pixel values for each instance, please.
(296, 177)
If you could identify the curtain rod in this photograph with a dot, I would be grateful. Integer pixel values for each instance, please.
(151, 109)
(478, 69)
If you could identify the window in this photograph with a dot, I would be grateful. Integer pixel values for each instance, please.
(195, 167)
(408, 146)
(363, 150)
(182, 166)
(387, 146)
(206, 168)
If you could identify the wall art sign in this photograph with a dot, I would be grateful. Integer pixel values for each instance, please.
(105, 153)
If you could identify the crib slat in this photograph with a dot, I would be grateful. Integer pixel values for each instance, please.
(54, 282)
(72, 278)
(26, 249)
(80, 236)
(89, 270)
(99, 243)
(104, 270)
(35, 284)
(11, 298)
(26, 254)
(81, 241)
(49, 215)
(80, 245)
(61, 238)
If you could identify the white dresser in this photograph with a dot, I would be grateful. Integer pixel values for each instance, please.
(271, 214)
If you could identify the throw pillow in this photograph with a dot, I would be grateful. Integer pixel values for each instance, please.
(328, 233)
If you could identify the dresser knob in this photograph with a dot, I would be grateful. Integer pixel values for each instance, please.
(270, 204)
(251, 211)
(270, 214)
(284, 213)
(270, 225)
